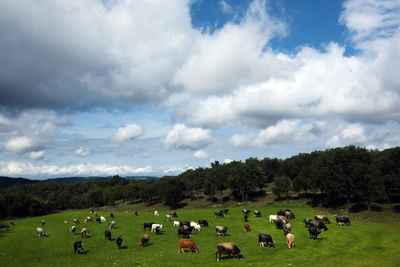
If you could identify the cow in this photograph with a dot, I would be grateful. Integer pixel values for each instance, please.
(107, 235)
(279, 224)
(218, 214)
(318, 224)
(12, 223)
(84, 232)
(322, 218)
(225, 211)
(272, 218)
(221, 230)
(195, 226)
(314, 232)
(156, 214)
(246, 227)
(112, 215)
(85, 221)
(282, 218)
(43, 222)
(98, 220)
(307, 222)
(287, 228)
(112, 225)
(203, 222)
(89, 219)
(91, 210)
(257, 213)
(289, 215)
(102, 219)
(184, 223)
(246, 211)
(95, 214)
(265, 238)
(174, 214)
(176, 224)
(343, 220)
(228, 248)
(290, 240)
(156, 228)
(187, 243)
(78, 246)
(246, 217)
(65, 221)
(119, 242)
(136, 213)
(73, 229)
(169, 217)
(184, 232)
(40, 232)
(147, 225)
(144, 241)
(76, 221)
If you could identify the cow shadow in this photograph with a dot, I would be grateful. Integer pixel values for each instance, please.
(84, 252)
(124, 247)
(88, 236)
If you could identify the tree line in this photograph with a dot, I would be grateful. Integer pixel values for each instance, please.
(336, 176)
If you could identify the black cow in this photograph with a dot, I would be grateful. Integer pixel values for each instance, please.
(287, 213)
(314, 232)
(225, 211)
(107, 234)
(112, 215)
(78, 246)
(319, 225)
(257, 213)
(265, 238)
(228, 248)
(184, 223)
(221, 230)
(185, 233)
(307, 222)
(119, 242)
(246, 218)
(218, 214)
(136, 214)
(173, 213)
(147, 225)
(246, 211)
(279, 224)
(343, 220)
(203, 222)
(98, 220)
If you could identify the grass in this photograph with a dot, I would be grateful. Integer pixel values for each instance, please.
(362, 244)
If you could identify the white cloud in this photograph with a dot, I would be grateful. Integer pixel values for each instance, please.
(128, 132)
(82, 151)
(226, 8)
(20, 144)
(349, 134)
(187, 138)
(36, 155)
(200, 154)
(227, 161)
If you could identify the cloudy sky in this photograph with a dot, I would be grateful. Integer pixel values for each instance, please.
(154, 87)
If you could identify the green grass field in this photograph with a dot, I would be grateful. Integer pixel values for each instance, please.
(362, 244)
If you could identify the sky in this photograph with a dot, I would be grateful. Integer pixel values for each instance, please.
(156, 87)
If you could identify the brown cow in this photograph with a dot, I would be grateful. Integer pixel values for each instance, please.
(290, 240)
(187, 243)
(322, 218)
(65, 221)
(282, 218)
(247, 227)
(228, 248)
(144, 241)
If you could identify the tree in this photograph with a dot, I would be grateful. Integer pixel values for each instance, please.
(282, 186)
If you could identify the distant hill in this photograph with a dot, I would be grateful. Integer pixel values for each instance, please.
(8, 181)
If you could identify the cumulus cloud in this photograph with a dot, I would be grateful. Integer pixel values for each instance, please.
(200, 154)
(349, 134)
(128, 132)
(187, 138)
(20, 144)
(36, 155)
(82, 151)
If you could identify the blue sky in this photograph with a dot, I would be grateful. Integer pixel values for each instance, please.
(93, 88)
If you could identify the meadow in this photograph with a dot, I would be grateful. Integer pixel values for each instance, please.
(362, 244)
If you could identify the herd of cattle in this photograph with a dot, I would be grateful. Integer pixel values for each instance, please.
(185, 229)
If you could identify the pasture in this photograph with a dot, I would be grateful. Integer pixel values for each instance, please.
(362, 244)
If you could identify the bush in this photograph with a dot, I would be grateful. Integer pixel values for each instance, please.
(376, 208)
(358, 207)
(396, 208)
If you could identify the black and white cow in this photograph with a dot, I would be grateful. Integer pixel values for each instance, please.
(279, 224)
(287, 228)
(218, 214)
(112, 225)
(343, 220)
(221, 230)
(119, 242)
(225, 211)
(307, 221)
(184, 223)
(257, 213)
(78, 246)
(265, 238)
(84, 233)
(43, 222)
(203, 222)
(40, 232)
(107, 235)
(246, 211)
(173, 213)
(314, 232)
(184, 232)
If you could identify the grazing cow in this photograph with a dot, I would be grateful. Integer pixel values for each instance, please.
(307, 222)
(184, 223)
(228, 248)
(112, 225)
(218, 214)
(257, 213)
(84, 232)
(169, 217)
(265, 238)
(76, 221)
(112, 215)
(85, 221)
(322, 218)
(78, 246)
(246, 211)
(89, 219)
(65, 221)
(319, 225)
(289, 215)
(342, 220)
(185, 243)
(272, 218)
(40, 232)
(43, 222)
(107, 235)
(314, 232)
(287, 228)
(290, 240)
(156, 228)
(119, 241)
(156, 214)
(246, 227)
(184, 232)
(12, 223)
(176, 224)
(102, 219)
(173, 213)
(147, 225)
(221, 230)
(98, 220)
(225, 211)
(203, 222)
(246, 217)
(95, 214)
(282, 218)
(91, 210)
(279, 224)
(144, 241)
(73, 229)
(195, 226)
(136, 214)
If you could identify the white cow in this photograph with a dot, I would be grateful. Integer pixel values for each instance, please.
(272, 218)
(156, 226)
(176, 223)
(112, 225)
(40, 232)
(195, 226)
(156, 214)
(102, 219)
(73, 229)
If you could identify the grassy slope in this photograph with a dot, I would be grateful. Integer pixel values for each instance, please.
(363, 244)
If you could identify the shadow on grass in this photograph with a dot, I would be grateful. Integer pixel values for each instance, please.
(84, 252)
(124, 247)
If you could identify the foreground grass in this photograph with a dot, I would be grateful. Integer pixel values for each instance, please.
(362, 244)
